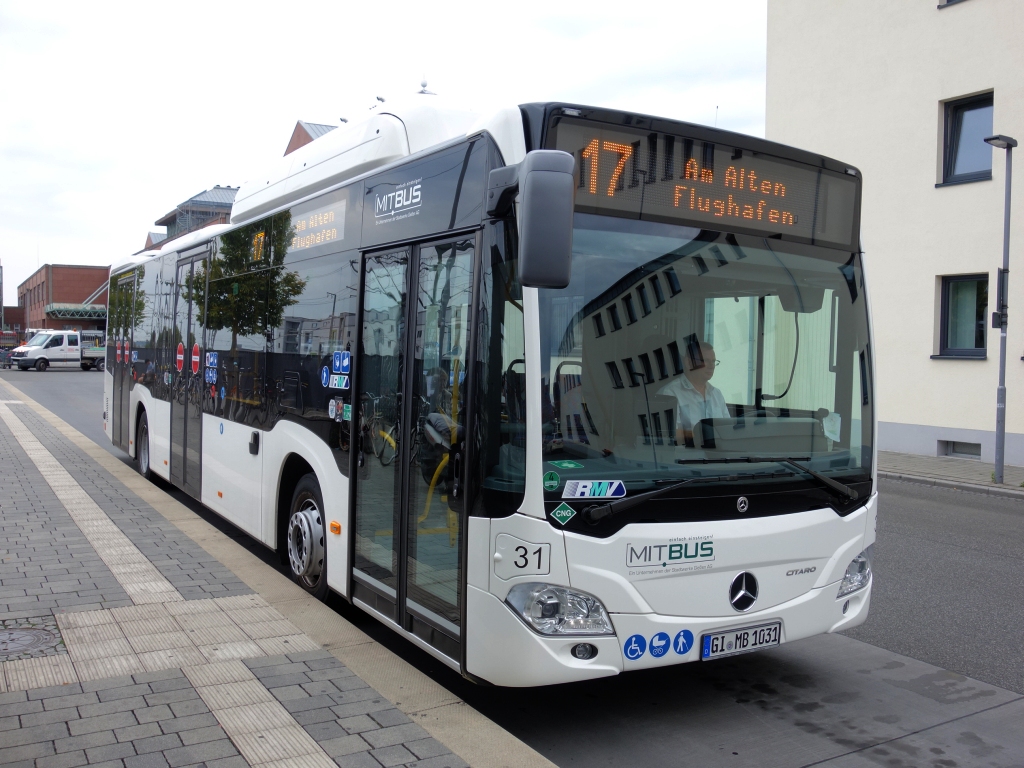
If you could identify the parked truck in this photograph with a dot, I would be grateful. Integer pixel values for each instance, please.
(60, 349)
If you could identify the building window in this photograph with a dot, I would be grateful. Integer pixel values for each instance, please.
(967, 157)
(964, 302)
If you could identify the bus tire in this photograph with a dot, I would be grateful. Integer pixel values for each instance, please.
(305, 537)
(142, 455)
(41, 365)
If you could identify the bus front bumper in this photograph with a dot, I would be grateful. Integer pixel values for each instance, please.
(502, 650)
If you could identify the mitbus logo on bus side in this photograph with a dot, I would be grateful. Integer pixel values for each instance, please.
(406, 197)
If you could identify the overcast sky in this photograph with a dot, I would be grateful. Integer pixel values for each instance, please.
(112, 114)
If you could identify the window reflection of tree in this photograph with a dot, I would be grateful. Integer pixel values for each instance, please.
(249, 290)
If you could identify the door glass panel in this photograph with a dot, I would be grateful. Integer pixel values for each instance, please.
(442, 316)
(179, 393)
(381, 368)
(196, 389)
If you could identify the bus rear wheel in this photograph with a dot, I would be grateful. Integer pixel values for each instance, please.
(142, 447)
(304, 537)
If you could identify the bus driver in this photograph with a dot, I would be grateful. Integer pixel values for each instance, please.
(696, 398)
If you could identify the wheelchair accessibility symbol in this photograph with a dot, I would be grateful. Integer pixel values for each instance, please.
(635, 647)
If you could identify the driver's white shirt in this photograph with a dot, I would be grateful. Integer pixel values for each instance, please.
(691, 405)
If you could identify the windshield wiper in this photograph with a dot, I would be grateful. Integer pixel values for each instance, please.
(597, 512)
(791, 461)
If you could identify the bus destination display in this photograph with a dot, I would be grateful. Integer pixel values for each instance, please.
(622, 171)
(320, 225)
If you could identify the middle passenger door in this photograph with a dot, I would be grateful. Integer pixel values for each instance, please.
(411, 418)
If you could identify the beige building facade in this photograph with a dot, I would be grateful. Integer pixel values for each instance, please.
(906, 91)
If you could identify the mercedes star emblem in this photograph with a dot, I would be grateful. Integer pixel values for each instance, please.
(743, 592)
(742, 504)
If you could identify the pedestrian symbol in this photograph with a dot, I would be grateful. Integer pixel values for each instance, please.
(635, 647)
(659, 645)
(325, 376)
(683, 642)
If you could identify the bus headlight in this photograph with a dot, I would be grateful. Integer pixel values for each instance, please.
(554, 610)
(858, 574)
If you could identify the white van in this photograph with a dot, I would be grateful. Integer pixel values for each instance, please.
(59, 349)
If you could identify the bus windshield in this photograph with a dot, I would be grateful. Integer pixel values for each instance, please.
(684, 353)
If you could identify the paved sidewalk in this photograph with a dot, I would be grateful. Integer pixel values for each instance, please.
(124, 642)
(946, 471)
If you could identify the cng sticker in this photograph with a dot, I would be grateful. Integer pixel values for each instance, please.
(563, 513)
(566, 464)
(550, 481)
(593, 489)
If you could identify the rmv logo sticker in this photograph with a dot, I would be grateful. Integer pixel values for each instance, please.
(593, 489)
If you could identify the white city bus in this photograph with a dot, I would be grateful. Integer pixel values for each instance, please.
(555, 393)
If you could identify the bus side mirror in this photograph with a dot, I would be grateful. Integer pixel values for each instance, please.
(546, 189)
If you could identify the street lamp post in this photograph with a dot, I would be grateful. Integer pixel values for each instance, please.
(999, 317)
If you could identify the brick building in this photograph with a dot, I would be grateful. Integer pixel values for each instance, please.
(65, 296)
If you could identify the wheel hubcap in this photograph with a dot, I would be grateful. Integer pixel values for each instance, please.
(144, 449)
(305, 542)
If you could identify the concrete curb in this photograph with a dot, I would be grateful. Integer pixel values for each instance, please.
(994, 490)
(469, 734)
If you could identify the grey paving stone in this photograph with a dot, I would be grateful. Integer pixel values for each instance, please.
(344, 745)
(187, 723)
(359, 723)
(191, 707)
(390, 717)
(109, 752)
(310, 702)
(169, 697)
(152, 714)
(107, 683)
(200, 735)
(313, 716)
(133, 732)
(357, 760)
(85, 741)
(327, 730)
(158, 676)
(363, 707)
(123, 692)
(280, 681)
(22, 736)
(157, 743)
(54, 690)
(11, 755)
(102, 723)
(442, 761)
(63, 760)
(53, 716)
(110, 707)
(385, 737)
(391, 756)
(149, 760)
(198, 753)
(429, 747)
(75, 700)
(20, 707)
(171, 684)
(319, 687)
(228, 762)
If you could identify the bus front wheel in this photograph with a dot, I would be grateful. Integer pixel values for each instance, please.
(307, 558)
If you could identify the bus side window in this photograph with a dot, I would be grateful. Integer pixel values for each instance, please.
(500, 430)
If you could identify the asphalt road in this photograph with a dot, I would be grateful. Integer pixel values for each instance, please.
(947, 603)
